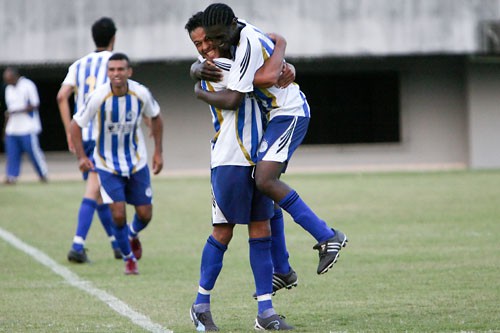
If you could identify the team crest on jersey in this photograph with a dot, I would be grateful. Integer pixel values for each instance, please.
(263, 146)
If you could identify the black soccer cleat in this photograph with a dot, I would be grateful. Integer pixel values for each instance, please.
(78, 257)
(281, 281)
(273, 323)
(117, 253)
(287, 281)
(329, 251)
(202, 320)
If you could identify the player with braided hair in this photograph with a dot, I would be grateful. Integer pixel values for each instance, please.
(287, 113)
(233, 156)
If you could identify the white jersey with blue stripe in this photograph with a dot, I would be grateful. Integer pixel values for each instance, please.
(86, 74)
(238, 132)
(120, 146)
(253, 49)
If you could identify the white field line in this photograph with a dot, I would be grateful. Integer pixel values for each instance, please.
(74, 280)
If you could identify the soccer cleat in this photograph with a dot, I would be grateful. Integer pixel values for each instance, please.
(287, 281)
(136, 246)
(202, 320)
(273, 323)
(281, 281)
(131, 267)
(117, 253)
(79, 257)
(329, 251)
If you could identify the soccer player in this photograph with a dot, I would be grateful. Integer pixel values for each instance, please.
(84, 75)
(274, 70)
(288, 116)
(120, 154)
(235, 198)
(22, 125)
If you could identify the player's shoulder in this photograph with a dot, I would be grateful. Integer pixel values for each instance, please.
(100, 93)
(223, 63)
(137, 87)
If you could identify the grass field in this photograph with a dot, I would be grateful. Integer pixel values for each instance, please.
(423, 256)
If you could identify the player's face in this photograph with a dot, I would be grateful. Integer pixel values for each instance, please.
(203, 45)
(221, 36)
(118, 72)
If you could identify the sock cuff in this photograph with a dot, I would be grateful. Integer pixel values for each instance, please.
(89, 202)
(278, 214)
(288, 200)
(260, 240)
(211, 240)
(102, 207)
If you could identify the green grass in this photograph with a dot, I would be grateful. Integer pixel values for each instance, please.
(423, 256)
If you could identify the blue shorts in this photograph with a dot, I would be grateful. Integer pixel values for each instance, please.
(235, 199)
(282, 136)
(88, 147)
(135, 190)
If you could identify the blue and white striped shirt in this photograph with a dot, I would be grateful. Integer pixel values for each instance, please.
(120, 146)
(237, 132)
(85, 75)
(253, 49)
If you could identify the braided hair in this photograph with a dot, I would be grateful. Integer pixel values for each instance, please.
(218, 14)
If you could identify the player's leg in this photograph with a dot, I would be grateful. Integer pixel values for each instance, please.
(88, 206)
(106, 219)
(284, 276)
(211, 265)
(283, 135)
(13, 150)
(231, 203)
(262, 267)
(36, 155)
(139, 193)
(113, 193)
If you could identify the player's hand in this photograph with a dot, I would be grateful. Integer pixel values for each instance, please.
(287, 75)
(157, 163)
(207, 71)
(84, 164)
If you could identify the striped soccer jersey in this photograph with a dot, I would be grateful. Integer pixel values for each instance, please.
(86, 74)
(253, 49)
(120, 146)
(238, 132)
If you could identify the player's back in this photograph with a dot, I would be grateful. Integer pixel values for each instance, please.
(275, 101)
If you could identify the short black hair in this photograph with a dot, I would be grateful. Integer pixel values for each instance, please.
(195, 21)
(120, 56)
(103, 31)
(218, 13)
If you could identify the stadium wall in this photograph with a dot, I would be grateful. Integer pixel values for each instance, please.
(52, 31)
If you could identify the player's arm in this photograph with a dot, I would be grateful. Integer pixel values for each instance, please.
(63, 96)
(84, 163)
(225, 99)
(157, 134)
(205, 71)
(269, 74)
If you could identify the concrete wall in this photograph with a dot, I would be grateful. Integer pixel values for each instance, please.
(484, 113)
(34, 31)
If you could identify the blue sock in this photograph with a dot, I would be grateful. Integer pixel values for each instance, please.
(279, 252)
(85, 216)
(211, 265)
(104, 214)
(136, 226)
(121, 236)
(305, 217)
(262, 268)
